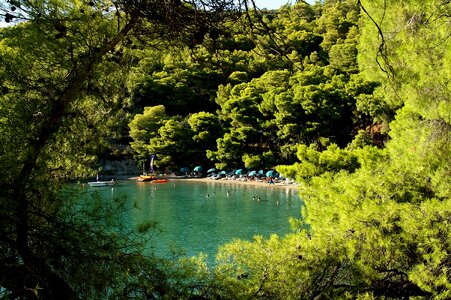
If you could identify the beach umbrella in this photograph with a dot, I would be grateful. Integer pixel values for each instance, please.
(223, 173)
(239, 172)
(252, 173)
(261, 172)
(211, 170)
(198, 169)
(271, 173)
(184, 170)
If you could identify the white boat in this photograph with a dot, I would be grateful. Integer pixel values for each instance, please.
(102, 183)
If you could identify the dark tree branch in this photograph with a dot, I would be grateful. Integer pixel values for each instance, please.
(382, 46)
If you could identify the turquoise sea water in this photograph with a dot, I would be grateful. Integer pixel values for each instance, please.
(199, 217)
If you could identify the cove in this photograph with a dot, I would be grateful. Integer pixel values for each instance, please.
(200, 216)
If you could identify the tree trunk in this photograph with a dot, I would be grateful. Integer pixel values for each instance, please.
(48, 129)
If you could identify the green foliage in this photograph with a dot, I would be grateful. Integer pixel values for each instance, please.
(377, 220)
(144, 127)
(206, 128)
(174, 140)
(370, 149)
(314, 163)
(252, 161)
(265, 101)
(53, 125)
(175, 81)
(292, 267)
(228, 154)
(63, 72)
(238, 77)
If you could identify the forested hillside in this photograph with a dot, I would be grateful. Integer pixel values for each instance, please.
(248, 99)
(350, 98)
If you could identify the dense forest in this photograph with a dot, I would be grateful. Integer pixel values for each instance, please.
(350, 98)
(259, 95)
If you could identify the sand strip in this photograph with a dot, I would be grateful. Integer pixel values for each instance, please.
(233, 181)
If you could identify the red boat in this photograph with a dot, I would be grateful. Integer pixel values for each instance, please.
(159, 181)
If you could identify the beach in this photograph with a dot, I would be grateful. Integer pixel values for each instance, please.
(232, 181)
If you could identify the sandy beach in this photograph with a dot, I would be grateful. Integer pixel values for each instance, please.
(233, 181)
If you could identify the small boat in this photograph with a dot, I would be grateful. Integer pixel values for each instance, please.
(143, 178)
(103, 183)
(147, 176)
(159, 181)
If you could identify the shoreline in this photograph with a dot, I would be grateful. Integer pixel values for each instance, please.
(231, 181)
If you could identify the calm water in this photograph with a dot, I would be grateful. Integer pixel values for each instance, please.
(199, 217)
